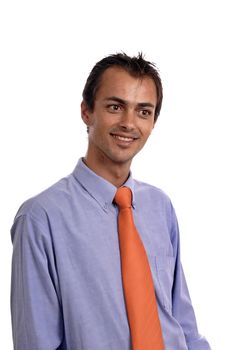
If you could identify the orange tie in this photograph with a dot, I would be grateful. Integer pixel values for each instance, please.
(140, 298)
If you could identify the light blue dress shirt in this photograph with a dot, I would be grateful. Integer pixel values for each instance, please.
(66, 279)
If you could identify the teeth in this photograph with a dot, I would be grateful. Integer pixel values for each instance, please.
(121, 138)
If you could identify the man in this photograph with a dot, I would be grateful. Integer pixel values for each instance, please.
(70, 279)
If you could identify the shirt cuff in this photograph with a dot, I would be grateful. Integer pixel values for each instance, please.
(199, 344)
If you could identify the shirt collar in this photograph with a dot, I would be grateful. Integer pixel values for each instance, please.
(99, 188)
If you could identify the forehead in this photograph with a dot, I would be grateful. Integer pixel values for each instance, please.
(116, 81)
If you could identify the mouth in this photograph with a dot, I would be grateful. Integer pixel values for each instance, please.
(124, 139)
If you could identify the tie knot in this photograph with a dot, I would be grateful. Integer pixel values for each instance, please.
(123, 197)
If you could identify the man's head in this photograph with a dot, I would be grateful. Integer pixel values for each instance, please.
(137, 67)
(121, 102)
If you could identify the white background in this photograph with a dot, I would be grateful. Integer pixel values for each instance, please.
(47, 50)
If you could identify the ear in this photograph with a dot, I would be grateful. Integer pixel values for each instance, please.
(152, 128)
(155, 121)
(86, 114)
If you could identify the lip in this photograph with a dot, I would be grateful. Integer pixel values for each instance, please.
(123, 137)
(123, 141)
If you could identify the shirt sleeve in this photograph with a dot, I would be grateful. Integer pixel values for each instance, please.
(35, 305)
(181, 303)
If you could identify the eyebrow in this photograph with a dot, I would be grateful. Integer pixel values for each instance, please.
(124, 102)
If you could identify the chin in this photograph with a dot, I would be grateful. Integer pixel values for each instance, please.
(122, 159)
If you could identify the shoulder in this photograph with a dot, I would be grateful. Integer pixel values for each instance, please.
(156, 203)
(38, 206)
(154, 199)
(151, 192)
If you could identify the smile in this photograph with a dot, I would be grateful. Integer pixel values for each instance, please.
(123, 138)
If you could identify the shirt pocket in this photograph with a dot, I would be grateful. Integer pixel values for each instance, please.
(162, 268)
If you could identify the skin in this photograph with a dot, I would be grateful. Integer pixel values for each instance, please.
(120, 123)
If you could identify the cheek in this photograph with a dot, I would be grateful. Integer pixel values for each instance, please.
(146, 130)
(98, 131)
(101, 122)
(145, 125)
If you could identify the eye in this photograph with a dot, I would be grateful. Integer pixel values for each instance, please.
(113, 107)
(145, 113)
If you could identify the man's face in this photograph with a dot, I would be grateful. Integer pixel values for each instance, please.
(122, 118)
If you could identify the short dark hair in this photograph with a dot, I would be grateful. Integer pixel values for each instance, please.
(136, 66)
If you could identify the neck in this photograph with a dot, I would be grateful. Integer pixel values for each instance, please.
(115, 173)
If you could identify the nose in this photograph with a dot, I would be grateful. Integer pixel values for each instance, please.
(127, 121)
